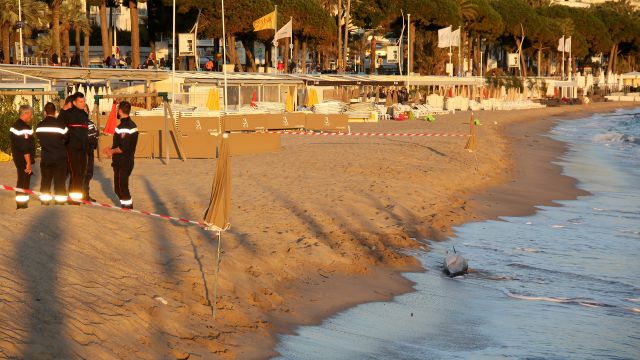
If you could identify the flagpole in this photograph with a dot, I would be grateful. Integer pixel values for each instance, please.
(173, 53)
(275, 45)
(459, 52)
(224, 58)
(408, 49)
(570, 64)
(562, 77)
(450, 62)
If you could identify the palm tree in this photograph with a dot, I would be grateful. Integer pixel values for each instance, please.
(104, 29)
(468, 11)
(72, 18)
(55, 6)
(33, 13)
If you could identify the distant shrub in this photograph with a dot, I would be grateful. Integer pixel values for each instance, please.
(8, 115)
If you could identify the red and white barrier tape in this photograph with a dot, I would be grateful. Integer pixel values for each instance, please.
(109, 206)
(367, 134)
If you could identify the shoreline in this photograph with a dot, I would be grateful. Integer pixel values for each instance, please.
(503, 195)
(318, 227)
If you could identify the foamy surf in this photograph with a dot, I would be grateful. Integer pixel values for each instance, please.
(560, 300)
(527, 249)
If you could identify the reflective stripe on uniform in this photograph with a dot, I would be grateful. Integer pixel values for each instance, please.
(126, 202)
(75, 196)
(21, 132)
(60, 198)
(126, 131)
(22, 198)
(46, 197)
(58, 130)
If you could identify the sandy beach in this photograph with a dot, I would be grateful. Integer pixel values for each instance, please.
(316, 227)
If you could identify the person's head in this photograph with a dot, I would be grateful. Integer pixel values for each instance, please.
(25, 113)
(79, 101)
(124, 109)
(49, 109)
(68, 103)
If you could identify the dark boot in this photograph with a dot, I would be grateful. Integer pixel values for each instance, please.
(22, 205)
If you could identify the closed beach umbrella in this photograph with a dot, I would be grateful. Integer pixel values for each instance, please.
(217, 214)
(289, 103)
(388, 100)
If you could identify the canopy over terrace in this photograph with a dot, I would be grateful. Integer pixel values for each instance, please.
(80, 74)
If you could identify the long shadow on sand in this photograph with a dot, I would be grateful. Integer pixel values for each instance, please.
(106, 183)
(37, 257)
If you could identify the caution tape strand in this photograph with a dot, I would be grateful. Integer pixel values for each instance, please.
(314, 133)
(109, 206)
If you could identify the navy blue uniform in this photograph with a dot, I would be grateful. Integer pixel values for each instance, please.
(126, 139)
(53, 134)
(77, 121)
(22, 143)
(92, 145)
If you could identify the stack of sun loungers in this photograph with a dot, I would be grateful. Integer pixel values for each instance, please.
(330, 107)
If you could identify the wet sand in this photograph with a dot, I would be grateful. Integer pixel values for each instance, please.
(316, 227)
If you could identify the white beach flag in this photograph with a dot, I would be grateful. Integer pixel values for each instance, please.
(455, 38)
(284, 32)
(561, 44)
(444, 37)
(564, 45)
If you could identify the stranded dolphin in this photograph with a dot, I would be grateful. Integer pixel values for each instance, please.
(454, 264)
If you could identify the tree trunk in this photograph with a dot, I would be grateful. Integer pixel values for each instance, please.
(285, 54)
(104, 30)
(267, 55)
(303, 57)
(339, 58)
(612, 56)
(5, 43)
(412, 48)
(76, 31)
(248, 46)
(372, 57)
(55, 38)
(15, 39)
(135, 34)
(66, 45)
(86, 50)
(235, 59)
(346, 36)
(296, 50)
(615, 59)
(539, 60)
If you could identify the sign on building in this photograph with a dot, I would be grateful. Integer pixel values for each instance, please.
(187, 44)
(392, 55)
(513, 60)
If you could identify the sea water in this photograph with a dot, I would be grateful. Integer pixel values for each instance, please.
(561, 284)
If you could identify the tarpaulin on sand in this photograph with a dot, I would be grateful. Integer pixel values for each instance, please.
(217, 214)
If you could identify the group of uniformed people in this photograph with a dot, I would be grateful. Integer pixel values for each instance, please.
(68, 142)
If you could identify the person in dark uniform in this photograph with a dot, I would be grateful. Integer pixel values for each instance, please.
(123, 153)
(52, 133)
(23, 149)
(92, 146)
(68, 103)
(77, 121)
